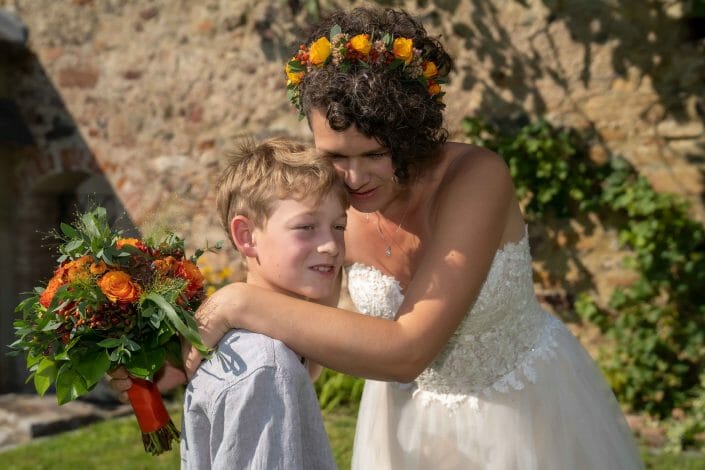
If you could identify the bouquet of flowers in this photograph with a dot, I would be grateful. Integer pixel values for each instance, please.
(112, 301)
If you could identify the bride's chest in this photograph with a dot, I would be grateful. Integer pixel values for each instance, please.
(395, 251)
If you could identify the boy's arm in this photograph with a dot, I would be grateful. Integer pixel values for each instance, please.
(255, 424)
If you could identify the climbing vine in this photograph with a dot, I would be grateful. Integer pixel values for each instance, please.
(657, 325)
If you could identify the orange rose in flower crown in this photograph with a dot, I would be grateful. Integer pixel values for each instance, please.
(112, 301)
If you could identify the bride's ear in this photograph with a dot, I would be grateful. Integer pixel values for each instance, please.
(241, 231)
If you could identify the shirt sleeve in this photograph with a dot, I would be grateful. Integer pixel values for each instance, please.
(256, 423)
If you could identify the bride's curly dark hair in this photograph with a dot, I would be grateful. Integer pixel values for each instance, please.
(397, 112)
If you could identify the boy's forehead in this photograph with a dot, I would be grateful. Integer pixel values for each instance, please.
(306, 203)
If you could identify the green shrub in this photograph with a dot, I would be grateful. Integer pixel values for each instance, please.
(338, 389)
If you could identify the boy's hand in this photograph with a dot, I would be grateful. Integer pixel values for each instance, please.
(166, 379)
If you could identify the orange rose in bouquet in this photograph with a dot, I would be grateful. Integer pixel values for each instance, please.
(112, 301)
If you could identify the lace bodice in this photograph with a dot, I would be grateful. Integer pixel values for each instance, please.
(497, 342)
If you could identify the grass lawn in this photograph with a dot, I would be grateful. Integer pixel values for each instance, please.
(116, 444)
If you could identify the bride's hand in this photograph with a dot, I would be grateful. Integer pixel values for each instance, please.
(215, 317)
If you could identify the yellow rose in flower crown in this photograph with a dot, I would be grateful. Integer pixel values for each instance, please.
(429, 69)
(361, 43)
(118, 287)
(403, 49)
(294, 78)
(319, 51)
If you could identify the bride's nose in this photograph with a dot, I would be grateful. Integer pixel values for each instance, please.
(352, 172)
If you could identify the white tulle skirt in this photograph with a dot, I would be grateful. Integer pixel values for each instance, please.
(567, 419)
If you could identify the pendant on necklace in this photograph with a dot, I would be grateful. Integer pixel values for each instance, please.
(388, 251)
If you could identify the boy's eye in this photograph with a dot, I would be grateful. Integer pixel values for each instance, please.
(305, 227)
(340, 227)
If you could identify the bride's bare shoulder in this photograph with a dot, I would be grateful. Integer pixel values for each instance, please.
(466, 163)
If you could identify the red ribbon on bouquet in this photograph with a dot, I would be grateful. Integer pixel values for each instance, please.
(157, 428)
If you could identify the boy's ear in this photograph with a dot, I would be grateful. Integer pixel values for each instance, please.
(241, 232)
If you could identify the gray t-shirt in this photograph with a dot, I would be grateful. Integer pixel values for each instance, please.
(252, 406)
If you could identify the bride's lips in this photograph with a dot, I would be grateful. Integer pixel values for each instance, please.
(362, 195)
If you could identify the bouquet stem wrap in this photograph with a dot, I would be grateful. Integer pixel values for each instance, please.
(157, 428)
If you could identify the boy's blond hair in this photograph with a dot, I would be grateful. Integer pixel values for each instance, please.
(257, 176)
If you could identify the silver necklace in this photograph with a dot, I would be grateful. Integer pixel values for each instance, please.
(388, 249)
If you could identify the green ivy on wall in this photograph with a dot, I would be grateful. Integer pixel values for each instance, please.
(657, 325)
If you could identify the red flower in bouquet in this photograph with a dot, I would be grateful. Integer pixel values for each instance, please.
(112, 301)
(192, 275)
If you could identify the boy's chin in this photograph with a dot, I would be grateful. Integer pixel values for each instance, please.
(317, 296)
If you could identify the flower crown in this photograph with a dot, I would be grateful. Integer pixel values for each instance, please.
(343, 51)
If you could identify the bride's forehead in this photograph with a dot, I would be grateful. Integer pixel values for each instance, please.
(348, 142)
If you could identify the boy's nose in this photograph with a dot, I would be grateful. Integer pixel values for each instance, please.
(330, 245)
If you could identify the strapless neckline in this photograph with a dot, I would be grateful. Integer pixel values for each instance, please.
(507, 247)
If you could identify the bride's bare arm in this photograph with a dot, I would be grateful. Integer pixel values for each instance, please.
(468, 228)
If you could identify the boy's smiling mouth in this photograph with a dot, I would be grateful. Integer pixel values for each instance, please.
(323, 268)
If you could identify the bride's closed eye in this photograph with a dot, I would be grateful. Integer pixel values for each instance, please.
(377, 155)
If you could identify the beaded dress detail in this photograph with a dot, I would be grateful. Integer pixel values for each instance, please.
(499, 380)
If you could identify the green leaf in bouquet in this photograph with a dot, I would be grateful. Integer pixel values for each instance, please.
(93, 221)
(166, 334)
(73, 245)
(62, 355)
(69, 231)
(51, 326)
(156, 320)
(145, 362)
(189, 333)
(129, 344)
(92, 365)
(110, 343)
(45, 375)
(27, 305)
(69, 384)
(117, 355)
(33, 360)
(172, 350)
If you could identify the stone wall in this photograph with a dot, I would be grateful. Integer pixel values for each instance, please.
(150, 94)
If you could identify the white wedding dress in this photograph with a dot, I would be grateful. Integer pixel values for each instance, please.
(513, 388)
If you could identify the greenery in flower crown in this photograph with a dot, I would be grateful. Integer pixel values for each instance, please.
(362, 50)
(112, 301)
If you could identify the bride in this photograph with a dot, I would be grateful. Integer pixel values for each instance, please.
(466, 369)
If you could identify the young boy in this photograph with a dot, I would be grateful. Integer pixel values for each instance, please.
(253, 405)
